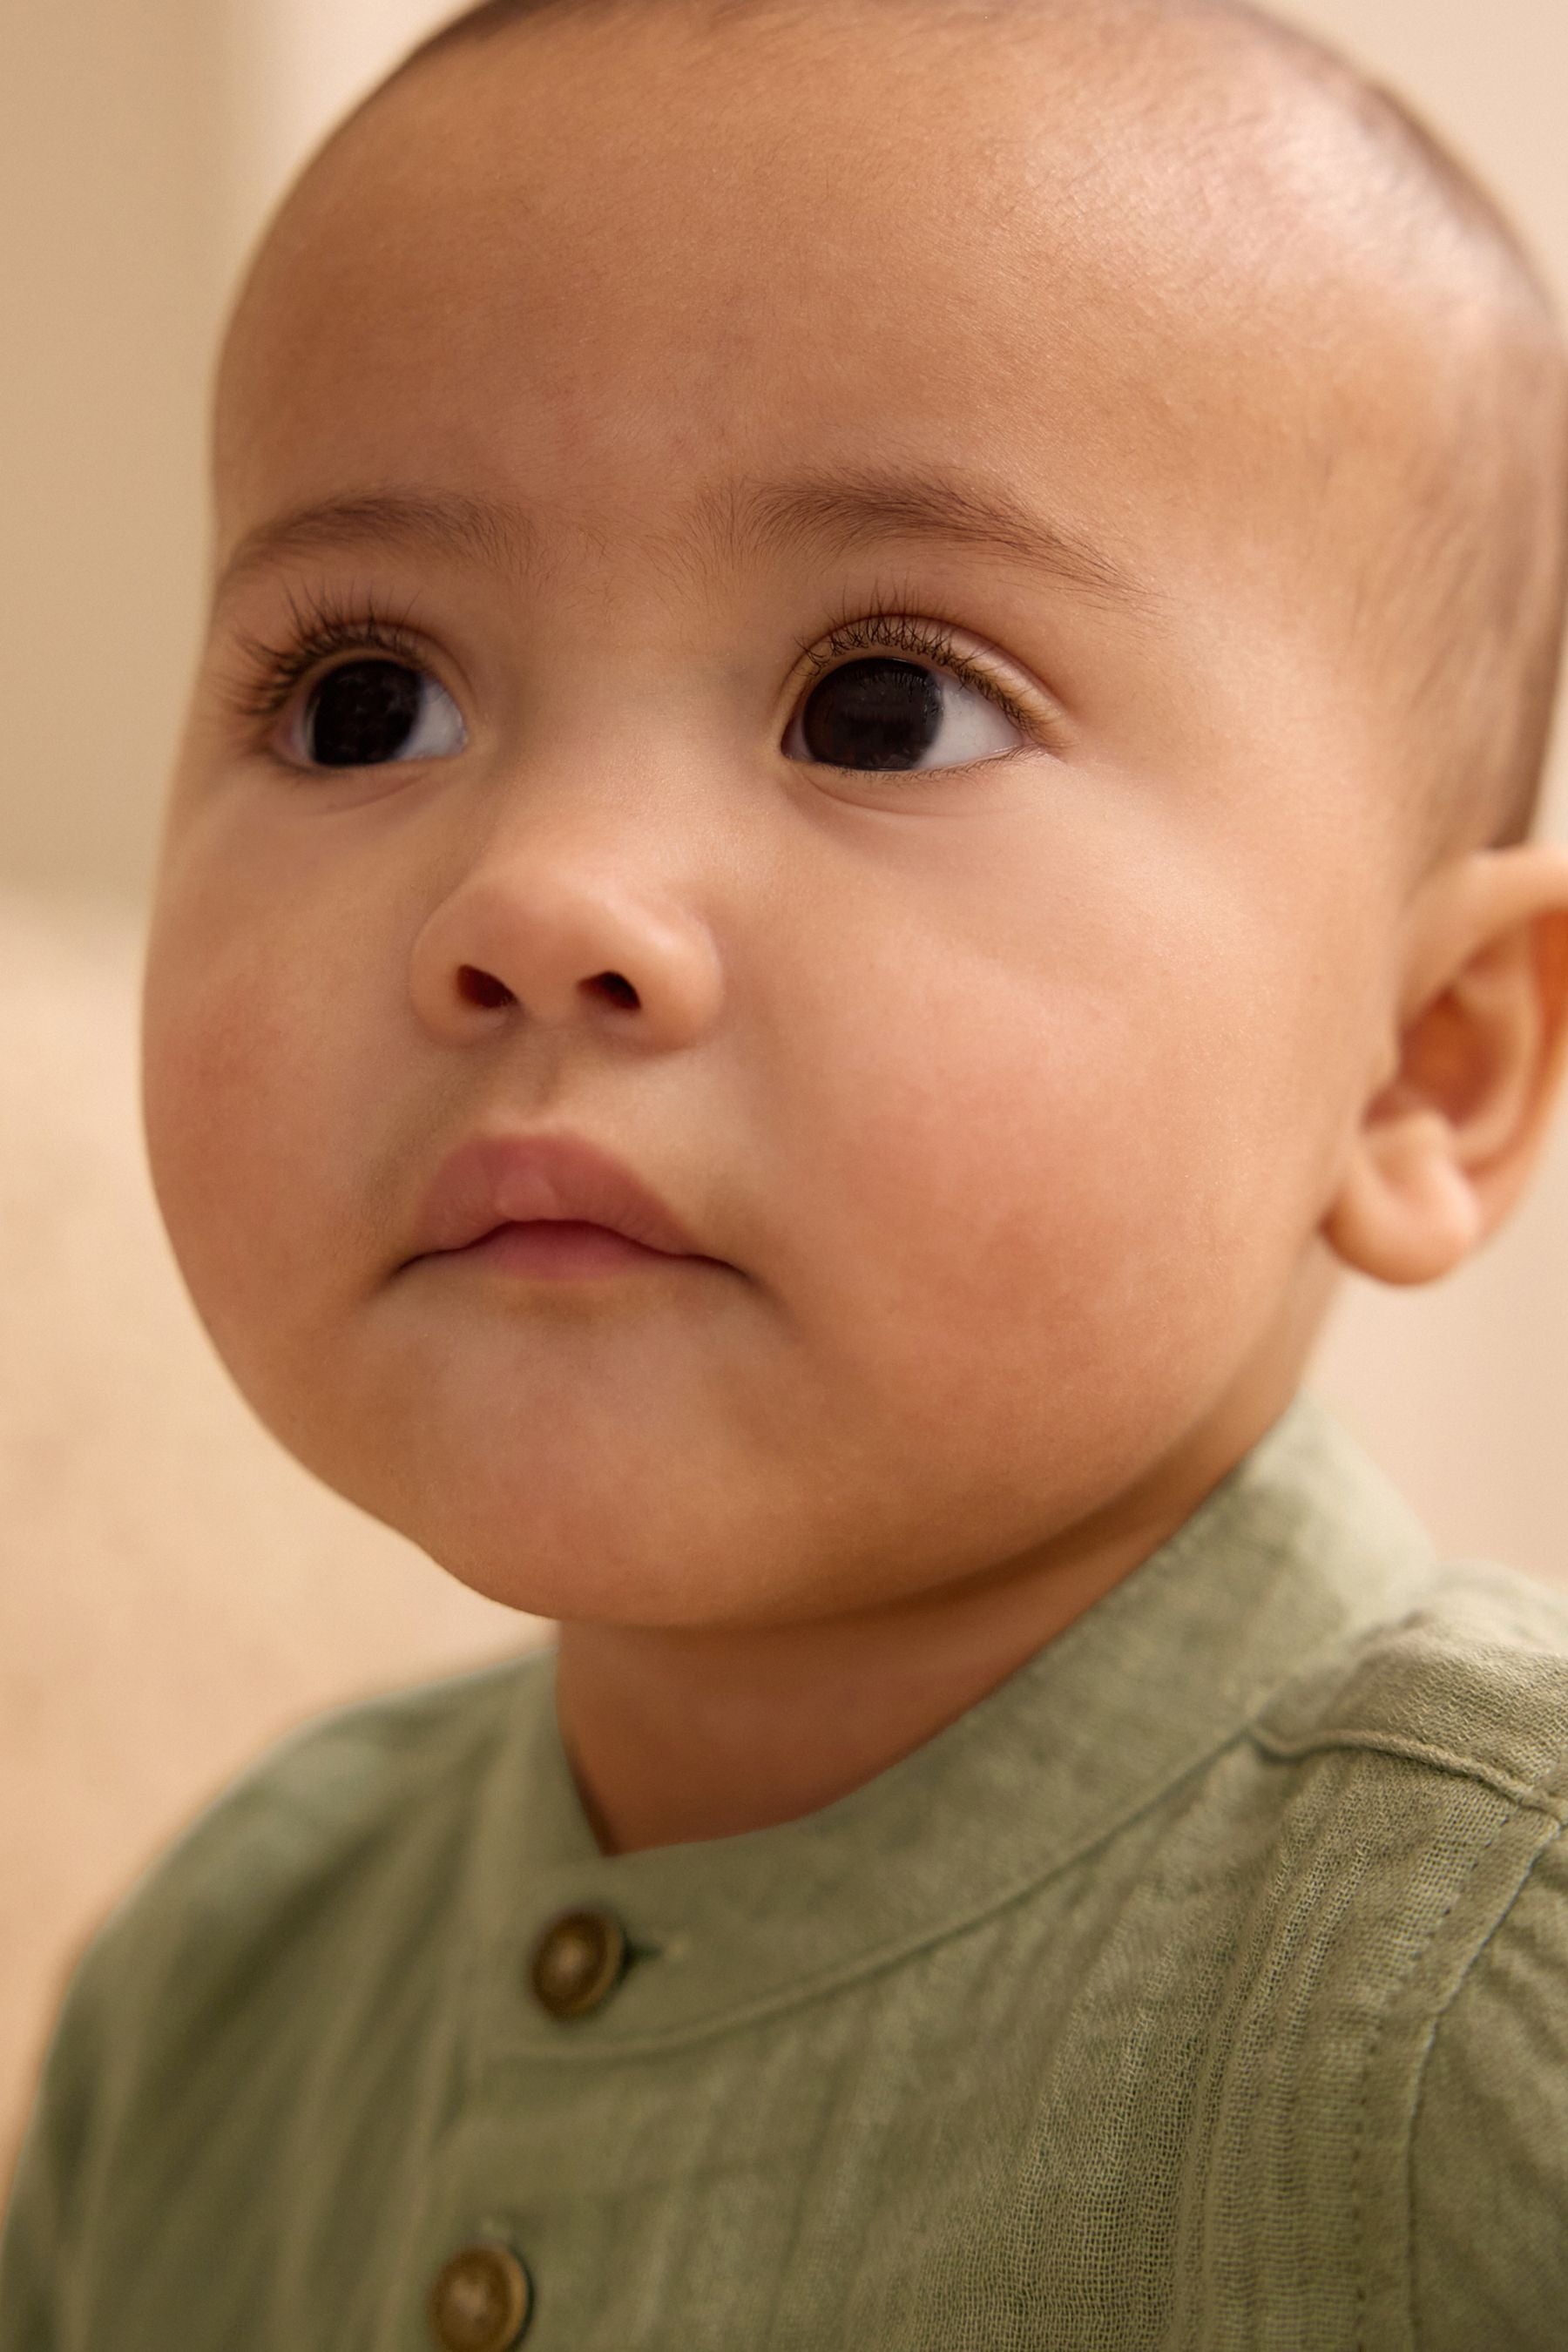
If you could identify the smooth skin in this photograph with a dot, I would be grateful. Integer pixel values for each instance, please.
(1032, 1104)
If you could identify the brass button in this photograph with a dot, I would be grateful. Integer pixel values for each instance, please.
(480, 2301)
(578, 1961)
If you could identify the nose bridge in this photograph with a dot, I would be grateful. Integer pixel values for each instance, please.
(637, 759)
(620, 798)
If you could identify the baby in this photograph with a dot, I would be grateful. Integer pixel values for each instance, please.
(858, 808)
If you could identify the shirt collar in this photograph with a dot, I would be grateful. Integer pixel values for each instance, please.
(1304, 1543)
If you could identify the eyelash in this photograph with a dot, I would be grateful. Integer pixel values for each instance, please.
(894, 628)
(323, 627)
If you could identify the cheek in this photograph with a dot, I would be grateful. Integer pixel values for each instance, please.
(1031, 1163)
(238, 1093)
(1060, 1206)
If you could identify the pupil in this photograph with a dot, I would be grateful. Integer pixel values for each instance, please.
(877, 713)
(363, 713)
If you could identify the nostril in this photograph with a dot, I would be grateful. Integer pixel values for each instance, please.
(619, 991)
(482, 988)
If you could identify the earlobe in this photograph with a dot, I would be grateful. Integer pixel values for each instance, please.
(1407, 1212)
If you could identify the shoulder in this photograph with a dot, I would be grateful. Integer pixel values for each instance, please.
(1471, 1682)
(194, 2026)
(1438, 1746)
(371, 1806)
(1426, 1771)
(342, 1781)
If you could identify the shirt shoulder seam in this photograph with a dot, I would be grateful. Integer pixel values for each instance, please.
(1547, 1796)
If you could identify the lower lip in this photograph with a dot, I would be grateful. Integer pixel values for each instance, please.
(561, 1248)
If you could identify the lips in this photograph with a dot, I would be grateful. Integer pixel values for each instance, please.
(499, 1179)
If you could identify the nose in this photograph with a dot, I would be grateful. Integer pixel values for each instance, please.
(551, 933)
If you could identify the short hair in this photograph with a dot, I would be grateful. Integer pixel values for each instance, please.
(1476, 588)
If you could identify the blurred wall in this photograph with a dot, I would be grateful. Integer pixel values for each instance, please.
(173, 1588)
(110, 148)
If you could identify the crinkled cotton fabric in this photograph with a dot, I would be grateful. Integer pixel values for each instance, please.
(1205, 1984)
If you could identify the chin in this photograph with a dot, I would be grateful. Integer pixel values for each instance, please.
(562, 1554)
(647, 1597)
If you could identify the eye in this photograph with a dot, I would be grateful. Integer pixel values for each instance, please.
(882, 712)
(369, 711)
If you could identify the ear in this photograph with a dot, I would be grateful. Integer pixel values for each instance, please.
(1444, 1146)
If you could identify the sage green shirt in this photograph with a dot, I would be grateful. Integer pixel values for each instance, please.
(1205, 1985)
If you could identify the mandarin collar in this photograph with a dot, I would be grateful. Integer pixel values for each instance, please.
(1304, 1543)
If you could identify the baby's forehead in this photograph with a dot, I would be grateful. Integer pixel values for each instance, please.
(1114, 176)
(1212, 99)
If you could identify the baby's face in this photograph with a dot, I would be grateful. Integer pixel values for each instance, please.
(853, 564)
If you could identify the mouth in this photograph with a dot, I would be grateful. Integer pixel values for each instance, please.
(553, 1205)
(561, 1249)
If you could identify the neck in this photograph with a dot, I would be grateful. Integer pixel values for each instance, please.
(678, 1733)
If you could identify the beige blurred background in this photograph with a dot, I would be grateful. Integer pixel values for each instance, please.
(174, 1590)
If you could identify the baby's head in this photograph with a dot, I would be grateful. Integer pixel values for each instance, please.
(935, 625)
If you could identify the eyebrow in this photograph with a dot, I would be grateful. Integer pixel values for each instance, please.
(435, 523)
(836, 507)
(845, 508)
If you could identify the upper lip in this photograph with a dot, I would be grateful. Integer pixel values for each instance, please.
(500, 1180)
